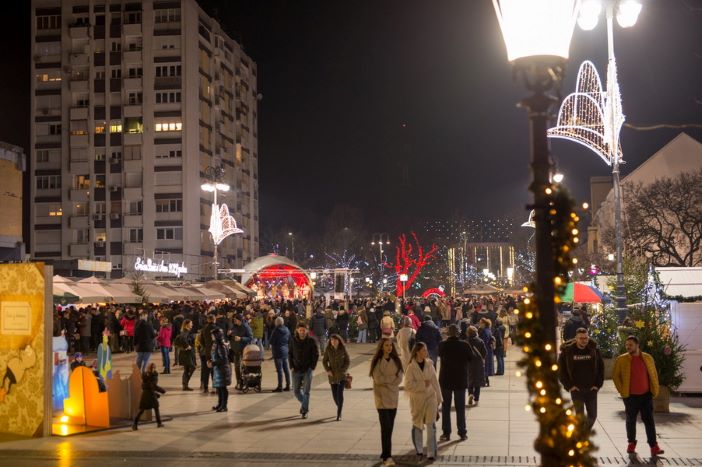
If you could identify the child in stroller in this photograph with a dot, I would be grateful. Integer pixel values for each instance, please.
(251, 361)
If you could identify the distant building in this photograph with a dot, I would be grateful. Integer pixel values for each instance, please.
(12, 165)
(681, 155)
(131, 102)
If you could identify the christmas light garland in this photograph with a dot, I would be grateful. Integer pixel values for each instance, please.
(563, 436)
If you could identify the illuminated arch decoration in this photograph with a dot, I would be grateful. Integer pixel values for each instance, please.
(435, 292)
(587, 117)
(222, 224)
(272, 271)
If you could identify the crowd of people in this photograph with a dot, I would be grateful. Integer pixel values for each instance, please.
(469, 337)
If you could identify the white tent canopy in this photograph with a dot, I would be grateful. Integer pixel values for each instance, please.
(685, 282)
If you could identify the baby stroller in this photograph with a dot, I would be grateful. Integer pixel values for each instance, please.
(251, 361)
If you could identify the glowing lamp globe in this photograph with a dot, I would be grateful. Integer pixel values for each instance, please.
(628, 12)
(537, 28)
(589, 14)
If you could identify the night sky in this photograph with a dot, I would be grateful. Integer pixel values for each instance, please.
(405, 109)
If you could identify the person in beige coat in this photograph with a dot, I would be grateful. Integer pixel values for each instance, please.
(336, 362)
(387, 325)
(422, 385)
(386, 371)
(405, 340)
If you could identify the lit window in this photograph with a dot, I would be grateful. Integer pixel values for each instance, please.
(100, 129)
(116, 127)
(171, 126)
(178, 126)
(158, 127)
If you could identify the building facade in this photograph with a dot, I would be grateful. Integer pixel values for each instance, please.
(132, 101)
(12, 166)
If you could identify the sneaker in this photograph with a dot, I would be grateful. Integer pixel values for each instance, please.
(656, 451)
(304, 414)
(631, 447)
(389, 462)
(470, 400)
(444, 437)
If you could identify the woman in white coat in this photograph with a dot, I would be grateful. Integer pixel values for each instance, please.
(386, 371)
(405, 341)
(425, 397)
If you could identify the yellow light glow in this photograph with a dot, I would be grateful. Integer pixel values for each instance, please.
(518, 374)
(539, 384)
(527, 301)
(542, 410)
(543, 392)
(516, 311)
(558, 401)
(527, 408)
(557, 280)
(529, 315)
(526, 349)
(538, 363)
(575, 260)
(571, 427)
(574, 231)
(568, 412)
(525, 289)
(527, 335)
(547, 347)
(64, 419)
(554, 367)
(585, 205)
(64, 430)
(579, 445)
(576, 239)
(548, 191)
(571, 453)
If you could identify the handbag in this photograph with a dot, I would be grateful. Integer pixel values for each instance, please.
(348, 379)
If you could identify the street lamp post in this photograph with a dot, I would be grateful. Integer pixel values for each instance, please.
(537, 34)
(627, 13)
(403, 279)
(214, 174)
(292, 241)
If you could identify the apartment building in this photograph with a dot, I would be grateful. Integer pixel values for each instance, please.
(131, 103)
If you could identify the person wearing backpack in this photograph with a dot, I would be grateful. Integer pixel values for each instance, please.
(498, 333)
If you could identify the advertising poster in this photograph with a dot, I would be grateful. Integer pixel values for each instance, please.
(23, 350)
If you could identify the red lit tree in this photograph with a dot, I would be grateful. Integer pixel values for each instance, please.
(411, 262)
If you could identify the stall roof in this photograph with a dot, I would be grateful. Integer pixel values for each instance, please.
(678, 281)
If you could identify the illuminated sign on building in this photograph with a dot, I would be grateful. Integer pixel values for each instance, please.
(148, 265)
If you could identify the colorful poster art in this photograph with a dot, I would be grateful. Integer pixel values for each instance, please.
(23, 349)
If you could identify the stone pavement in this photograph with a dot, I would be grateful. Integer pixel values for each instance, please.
(265, 429)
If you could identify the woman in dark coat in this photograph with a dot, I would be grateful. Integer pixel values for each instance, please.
(485, 334)
(476, 372)
(221, 370)
(336, 362)
(185, 343)
(149, 396)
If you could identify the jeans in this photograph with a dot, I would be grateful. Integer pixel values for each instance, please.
(142, 360)
(205, 373)
(586, 400)
(281, 366)
(338, 395)
(166, 356)
(302, 383)
(500, 354)
(322, 341)
(362, 336)
(431, 440)
(474, 390)
(387, 423)
(187, 373)
(633, 405)
(459, 396)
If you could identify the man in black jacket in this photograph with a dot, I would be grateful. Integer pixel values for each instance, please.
(303, 358)
(205, 352)
(240, 335)
(144, 336)
(455, 357)
(581, 371)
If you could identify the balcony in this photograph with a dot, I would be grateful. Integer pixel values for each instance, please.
(132, 193)
(131, 138)
(132, 29)
(132, 84)
(132, 110)
(133, 249)
(133, 165)
(78, 250)
(81, 166)
(79, 59)
(133, 220)
(79, 141)
(79, 113)
(169, 216)
(78, 31)
(80, 194)
(132, 56)
(167, 82)
(78, 222)
(41, 247)
(79, 85)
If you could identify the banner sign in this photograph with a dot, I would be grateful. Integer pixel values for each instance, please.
(97, 266)
(149, 265)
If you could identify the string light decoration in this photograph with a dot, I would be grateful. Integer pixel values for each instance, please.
(563, 435)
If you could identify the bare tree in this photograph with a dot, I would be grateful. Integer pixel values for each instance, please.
(664, 220)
